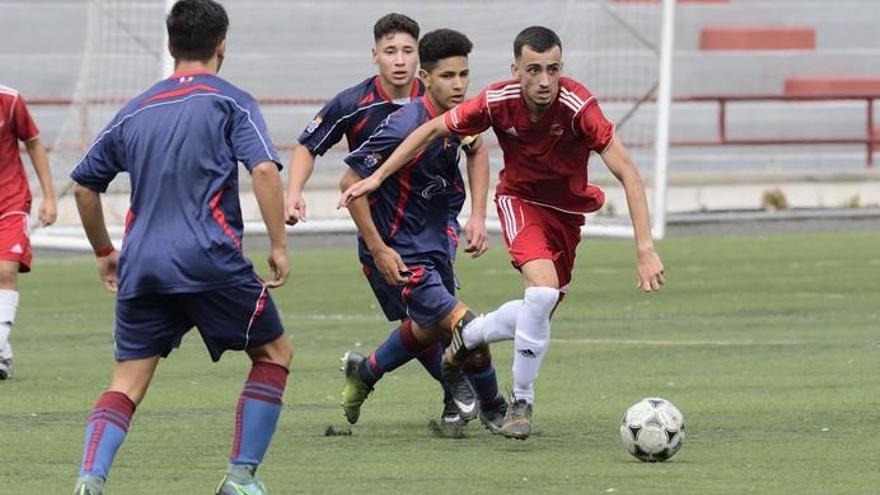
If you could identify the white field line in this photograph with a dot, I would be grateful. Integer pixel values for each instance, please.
(682, 343)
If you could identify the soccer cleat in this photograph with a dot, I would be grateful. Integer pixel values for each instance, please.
(460, 388)
(518, 420)
(6, 369)
(356, 389)
(493, 417)
(240, 480)
(451, 424)
(88, 484)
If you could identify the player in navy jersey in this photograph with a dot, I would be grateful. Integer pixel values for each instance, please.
(403, 244)
(547, 125)
(182, 263)
(354, 114)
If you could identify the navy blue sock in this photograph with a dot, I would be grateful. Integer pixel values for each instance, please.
(431, 358)
(482, 375)
(399, 348)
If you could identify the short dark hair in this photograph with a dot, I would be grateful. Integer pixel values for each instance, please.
(395, 23)
(538, 38)
(440, 44)
(195, 28)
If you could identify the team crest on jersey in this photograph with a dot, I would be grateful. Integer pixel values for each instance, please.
(556, 130)
(512, 131)
(372, 159)
(437, 185)
(314, 124)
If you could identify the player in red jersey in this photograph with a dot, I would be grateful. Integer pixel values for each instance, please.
(546, 125)
(16, 124)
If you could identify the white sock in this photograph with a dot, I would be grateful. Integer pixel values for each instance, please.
(8, 305)
(532, 339)
(493, 327)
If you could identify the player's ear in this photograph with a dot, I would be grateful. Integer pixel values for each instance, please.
(423, 75)
(513, 71)
(220, 53)
(374, 55)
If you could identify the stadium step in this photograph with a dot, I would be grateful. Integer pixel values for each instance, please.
(757, 38)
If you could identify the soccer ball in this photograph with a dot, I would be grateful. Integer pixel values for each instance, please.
(652, 429)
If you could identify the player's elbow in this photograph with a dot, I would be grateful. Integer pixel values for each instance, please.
(264, 170)
(630, 177)
(83, 195)
(347, 180)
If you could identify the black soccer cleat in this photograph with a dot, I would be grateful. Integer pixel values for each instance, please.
(451, 424)
(460, 388)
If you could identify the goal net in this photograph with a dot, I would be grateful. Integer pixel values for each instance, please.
(294, 55)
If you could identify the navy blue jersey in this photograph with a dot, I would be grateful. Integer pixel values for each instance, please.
(354, 113)
(180, 142)
(411, 209)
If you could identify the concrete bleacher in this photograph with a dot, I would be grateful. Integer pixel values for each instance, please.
(757, 38)
(275, 51)
(832, 85)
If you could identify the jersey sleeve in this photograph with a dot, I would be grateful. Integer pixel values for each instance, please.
(379, 146)
(326, 129)
(596, 130)
(102, 161)
(469, 118)
(250, 137)
(23, 124)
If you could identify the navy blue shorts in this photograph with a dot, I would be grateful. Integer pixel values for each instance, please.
(234, 318)
(426, 299)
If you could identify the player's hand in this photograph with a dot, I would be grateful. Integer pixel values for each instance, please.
(47, 213)
(295, 208)
(391, 266)
(279, 265)
(477, 239)
(107, 270)
(358, 189)
(649, 270)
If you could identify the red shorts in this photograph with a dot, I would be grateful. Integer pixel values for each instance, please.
(533, 232)
(15, 243)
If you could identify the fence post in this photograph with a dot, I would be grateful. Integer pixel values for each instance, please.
(870, 112)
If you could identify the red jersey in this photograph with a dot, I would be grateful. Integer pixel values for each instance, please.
(545, 162)
(15, 124)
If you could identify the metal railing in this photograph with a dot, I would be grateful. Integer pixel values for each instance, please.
(871, 138)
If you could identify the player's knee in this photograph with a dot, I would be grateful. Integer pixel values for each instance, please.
(8, 278)
(284, 352)
(540, 301)
(279, 351)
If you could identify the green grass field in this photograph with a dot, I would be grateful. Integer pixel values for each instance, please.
(769, 345)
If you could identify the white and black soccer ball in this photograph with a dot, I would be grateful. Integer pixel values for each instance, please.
(652, 430)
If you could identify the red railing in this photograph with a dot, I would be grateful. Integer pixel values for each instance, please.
(870, 140)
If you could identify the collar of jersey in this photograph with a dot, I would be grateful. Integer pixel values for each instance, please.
(187, 73)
